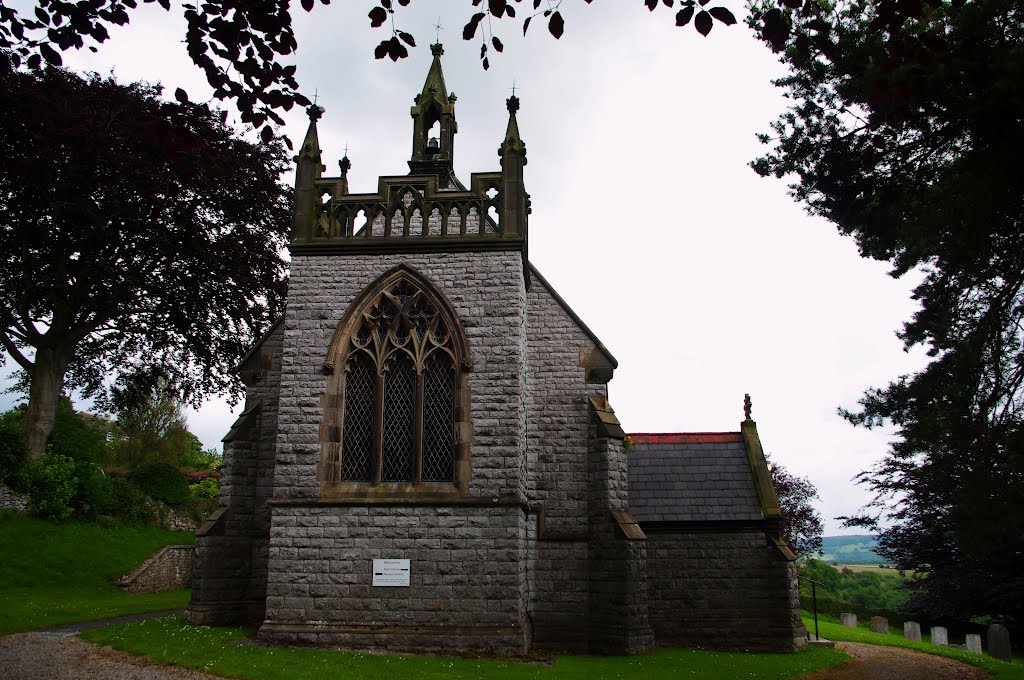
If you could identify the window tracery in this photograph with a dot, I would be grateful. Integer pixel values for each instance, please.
(398, 406)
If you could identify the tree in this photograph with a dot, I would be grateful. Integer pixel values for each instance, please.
(239, 45)
(801, 525)
(141, 241)
(155, 430)
(916, 156)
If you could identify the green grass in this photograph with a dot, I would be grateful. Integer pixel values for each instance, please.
(52, 574)
(212, 650)
(831, 629)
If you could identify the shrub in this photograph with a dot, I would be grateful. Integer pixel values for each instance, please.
(75, 437)
(13, 452)
(161, 481)
(53, 488)
(125, 501)
(208, 488)
(196, 476)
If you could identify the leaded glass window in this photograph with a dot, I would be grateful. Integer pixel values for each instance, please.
(399, 401)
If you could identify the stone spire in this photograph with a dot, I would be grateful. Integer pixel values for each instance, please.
(433, 153)
(515, 202)
(308, 169)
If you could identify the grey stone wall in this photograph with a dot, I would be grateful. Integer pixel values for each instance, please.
(728, 591)
(169, 569)
(618, 610)
(469, 565)
(231, 554)
(467, 577)
(558, 415)
(487, 292)
(558, 426)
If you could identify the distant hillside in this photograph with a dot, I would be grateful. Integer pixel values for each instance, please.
(850, 550)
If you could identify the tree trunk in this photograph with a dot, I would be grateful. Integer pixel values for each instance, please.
(47, 383)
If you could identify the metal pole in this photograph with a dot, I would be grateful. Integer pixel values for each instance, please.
(814, 598)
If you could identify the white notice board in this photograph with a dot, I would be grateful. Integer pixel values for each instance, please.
(391, 572)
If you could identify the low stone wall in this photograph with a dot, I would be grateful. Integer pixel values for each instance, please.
(12, 500)
(169, 569)
(181, 522)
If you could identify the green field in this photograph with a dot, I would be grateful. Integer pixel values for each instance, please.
(52, 574)
(850, 550)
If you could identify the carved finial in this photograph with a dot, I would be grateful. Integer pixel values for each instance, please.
(344, 164)
(314, 112)
(437, 49)
(512, 103)
(746, 406)
(437, 35)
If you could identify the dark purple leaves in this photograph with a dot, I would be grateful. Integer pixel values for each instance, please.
(556, 25)
(469, 30)
(526, 24)
(266, 134)
(703, 23)
(378, 15)
(498, 46)
(723, 15)
(497, 7)
(651, 4)
(683, 16)
(181, 96)
(392, 47)
(407, 38)
(51, 55)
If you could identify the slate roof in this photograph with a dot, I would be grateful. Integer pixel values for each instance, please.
(688, 477)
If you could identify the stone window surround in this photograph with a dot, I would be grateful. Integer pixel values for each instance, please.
(333, 404)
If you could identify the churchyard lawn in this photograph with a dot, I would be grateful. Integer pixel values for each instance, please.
(52, 574)
(222, 651)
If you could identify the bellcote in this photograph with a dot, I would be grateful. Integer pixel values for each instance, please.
(434, 125)
(427, 210)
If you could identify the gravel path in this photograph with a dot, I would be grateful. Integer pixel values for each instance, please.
(61, 656)
(871, 662)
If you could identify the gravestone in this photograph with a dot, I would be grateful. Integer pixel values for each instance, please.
(848, 620)
(973, 643)
(999, 643)
(912, 631)
(940, 636)
(879, 624)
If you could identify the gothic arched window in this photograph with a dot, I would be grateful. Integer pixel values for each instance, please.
(396, 411)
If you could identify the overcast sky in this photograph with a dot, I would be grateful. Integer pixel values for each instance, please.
(704, 280)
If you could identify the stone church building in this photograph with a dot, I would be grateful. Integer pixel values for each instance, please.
(427, 459)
